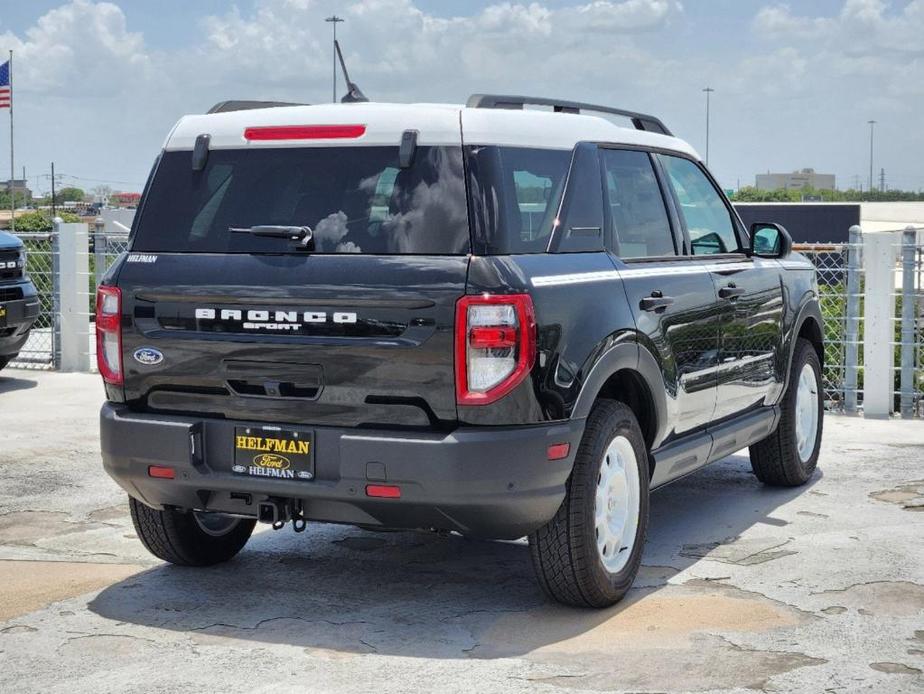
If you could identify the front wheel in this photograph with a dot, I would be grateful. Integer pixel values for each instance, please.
(589, 554)
(788, 457)
(4, 361)
(190, 538)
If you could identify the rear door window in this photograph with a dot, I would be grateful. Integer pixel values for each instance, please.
(640, 225)
(355, 199)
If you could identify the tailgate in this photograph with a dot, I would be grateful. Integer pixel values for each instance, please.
(348, 339)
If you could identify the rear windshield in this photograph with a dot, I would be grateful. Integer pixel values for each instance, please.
(355, 200)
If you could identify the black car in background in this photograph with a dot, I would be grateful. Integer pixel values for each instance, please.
(19, 304)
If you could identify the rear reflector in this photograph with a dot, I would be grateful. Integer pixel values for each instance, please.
(304, 132)
(164, 473)
(383, 491)
(558, 451)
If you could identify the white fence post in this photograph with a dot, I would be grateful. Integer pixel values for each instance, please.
(879, 329)
(73, 296)
(907, 324)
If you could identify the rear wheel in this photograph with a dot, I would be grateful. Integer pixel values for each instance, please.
(190, 538)
(588, 555)
(788, 457)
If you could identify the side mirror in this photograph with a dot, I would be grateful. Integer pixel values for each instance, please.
(770, 240)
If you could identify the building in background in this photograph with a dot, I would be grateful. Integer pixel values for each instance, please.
(124, 199)
(797, 180)
(18, 186)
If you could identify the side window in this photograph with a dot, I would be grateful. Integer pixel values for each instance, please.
(639, 218)
(533, 193)
(708, 220)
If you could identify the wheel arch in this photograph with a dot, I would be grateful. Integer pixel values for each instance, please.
(630, 374)
(809, 325)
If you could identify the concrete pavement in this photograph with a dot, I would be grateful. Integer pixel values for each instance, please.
(743, 588)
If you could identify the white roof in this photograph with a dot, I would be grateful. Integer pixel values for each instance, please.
(437, 124)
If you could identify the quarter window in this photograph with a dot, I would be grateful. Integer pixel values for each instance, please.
(708, 221)
(639, 219)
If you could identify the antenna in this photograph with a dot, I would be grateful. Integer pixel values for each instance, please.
(354, 93)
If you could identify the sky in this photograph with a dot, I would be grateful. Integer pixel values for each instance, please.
(98, 85)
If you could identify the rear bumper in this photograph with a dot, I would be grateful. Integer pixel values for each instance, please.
(20, 315)
(491, 482)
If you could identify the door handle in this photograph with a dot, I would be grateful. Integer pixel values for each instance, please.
(731, 291)
(655, 302)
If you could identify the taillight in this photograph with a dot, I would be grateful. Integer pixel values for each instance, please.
(109, 334)
(495, 346)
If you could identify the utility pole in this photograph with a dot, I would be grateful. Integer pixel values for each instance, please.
(871, 123)
(882, 180)
(53, 210)
(334, 20)
(708, 91)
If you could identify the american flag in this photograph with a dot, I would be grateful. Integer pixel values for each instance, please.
(6, 91)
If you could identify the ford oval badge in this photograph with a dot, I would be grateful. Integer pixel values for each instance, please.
(148, 356)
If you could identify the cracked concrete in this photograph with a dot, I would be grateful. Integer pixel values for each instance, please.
(743, 587)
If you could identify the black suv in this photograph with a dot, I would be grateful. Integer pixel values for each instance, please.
(19, 305)
(488, 319)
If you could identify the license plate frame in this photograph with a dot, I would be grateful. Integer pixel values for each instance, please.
(273, 453)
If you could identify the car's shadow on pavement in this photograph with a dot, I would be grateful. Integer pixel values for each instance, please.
(8, 384)
(411, 594)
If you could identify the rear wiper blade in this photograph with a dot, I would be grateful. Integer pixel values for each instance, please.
(276, 231)
(301, 238)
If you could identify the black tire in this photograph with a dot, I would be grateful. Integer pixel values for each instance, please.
(776, 460)
(564, 551)
(4, 361)
(177, 537)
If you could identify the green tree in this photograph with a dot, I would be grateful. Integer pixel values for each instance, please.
(39, 220)
(70, 195)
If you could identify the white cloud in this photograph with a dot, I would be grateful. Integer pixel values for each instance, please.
(79, 48)
(98, 97)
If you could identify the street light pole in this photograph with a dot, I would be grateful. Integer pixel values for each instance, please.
(333, 20)
(872, 123)
(708, 91)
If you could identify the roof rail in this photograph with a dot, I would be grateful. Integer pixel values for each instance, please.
(225, 106)
(641, 121)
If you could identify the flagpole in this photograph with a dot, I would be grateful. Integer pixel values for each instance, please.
(12, 163)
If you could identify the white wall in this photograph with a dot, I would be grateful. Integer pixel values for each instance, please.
(887, 216)
(117, 221)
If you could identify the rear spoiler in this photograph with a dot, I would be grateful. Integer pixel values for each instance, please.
(226, 106)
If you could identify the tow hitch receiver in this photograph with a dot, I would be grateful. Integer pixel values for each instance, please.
(278, 512)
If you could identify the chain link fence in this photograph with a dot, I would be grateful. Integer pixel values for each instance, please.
(909, 325)
(840, 283)
(841, 279)
(41, 350)
(41, 260)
